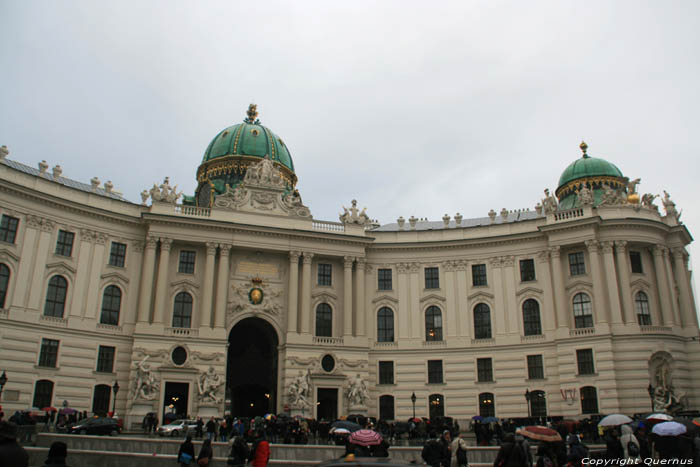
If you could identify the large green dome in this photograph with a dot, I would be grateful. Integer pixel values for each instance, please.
(586, 167)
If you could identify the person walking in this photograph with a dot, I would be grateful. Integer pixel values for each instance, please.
(11, 453)
(510, 454)
(57, 455)
(630, 444)
(613, 446)
(459, 449)
(432, 451)
(211, 429)
(205, 453)
(445, 448)
(260, 453)
(185, 455)
(199, 431)
(239, 453)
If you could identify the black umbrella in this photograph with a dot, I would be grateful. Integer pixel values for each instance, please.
(351, 426)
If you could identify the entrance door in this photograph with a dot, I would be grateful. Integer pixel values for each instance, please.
(327, 407)
(175, 401)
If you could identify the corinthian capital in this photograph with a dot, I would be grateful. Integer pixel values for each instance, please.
(607, 247)
(592, 246)
(308, 256)
(211, 248)
(555, 251)
(294, 257)
(621, 245)
(347, 261)
(151, 243)
(224, 250)
(165, 243)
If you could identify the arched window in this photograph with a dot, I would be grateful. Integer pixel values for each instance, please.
(433, 324)
(531, 318)
(589, 400)
(56, 297)
(386, 407)
(324, 320)
(182, 310)
(436, 404)
(111, 304)
(538, 403)
(583, 317)
(641, 306)
(482, 321)
(100, 400)
(43, 392)
(385, 325)
(4, 284)
(487, 405)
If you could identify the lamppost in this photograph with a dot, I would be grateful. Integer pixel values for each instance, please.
(115, 389)
(3, 381)
(650, 390)
(527, 399)
(413, 401)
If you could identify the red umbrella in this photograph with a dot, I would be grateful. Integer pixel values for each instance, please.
(49, 409)
(541, 433)
(365, 438)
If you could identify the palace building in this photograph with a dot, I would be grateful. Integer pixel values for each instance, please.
(235, 299)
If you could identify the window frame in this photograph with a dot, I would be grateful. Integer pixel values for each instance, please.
(487, 404)
(5, 275)
(479, 275)
(323, 320)
(64, 243)
(387, 403)
(642, 308)
(9, 226)
(535, 367)
(636, 262)
(433, 323)
(527, 270)
(538, 403)
(385, 372)
(585, 362)
(324, 274)
(586, 406)
(384, 282)
(103, 397)
(532, 318)
(583, 311)
(56, 297)
(44, 397)
(111, 306)
(385, 324)
(180, 310)
(117, 255)
(482, 326)
(484, 372)
(432, 277)
(105, 359)
(435, 372)
(436, 406)
(186, 262)
(577, 267)
(48, 353)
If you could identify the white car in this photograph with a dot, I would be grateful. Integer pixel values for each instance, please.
(178, 427)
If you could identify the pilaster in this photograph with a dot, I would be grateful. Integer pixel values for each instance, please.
(42, 251)
(205, 316)
(611, 276)
(92, 302)
(600, 312)
(550, 321)
(146, 285)
(28, 255)
(623, 270)
(306, 292)
(347, 295)
(666, 311)
(511, 314)
(219, 318)
(498, 315)
(360, 311)
(293, 292)
(162, 280)
(687, 309)
(672, 287)
(563, 312)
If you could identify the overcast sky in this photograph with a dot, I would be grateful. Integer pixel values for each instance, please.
(412, 108)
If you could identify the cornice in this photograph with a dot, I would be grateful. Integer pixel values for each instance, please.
(476, 243)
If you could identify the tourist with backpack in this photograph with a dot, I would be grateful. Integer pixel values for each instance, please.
(630, 444)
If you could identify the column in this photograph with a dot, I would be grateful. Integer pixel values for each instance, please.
(461, 294)
(401, 320)
(611, 276)
(449, 324)
(82, 277)
(293, 292)
(360, 266)
(672, 287)
(146, 286)
(548, 317)
(42, 251)
(347, 296)
(132, 299)
(205, 318)
(306, 291)
(219, 313)
(98, 262)
(600, 313)
(562, 306)
(623, 269)
(687, 310)
(664, 294)
(162, 280)
(511, 313)
(498, 315)
(26, 262)
(417, 323)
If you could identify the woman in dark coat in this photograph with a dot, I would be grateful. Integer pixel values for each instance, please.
(205, 452)
(186, 448)
(511, 453)
(57, 455)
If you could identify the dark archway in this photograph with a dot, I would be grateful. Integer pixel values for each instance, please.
(251, 368)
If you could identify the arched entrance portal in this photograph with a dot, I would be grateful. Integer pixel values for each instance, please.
(251, 368)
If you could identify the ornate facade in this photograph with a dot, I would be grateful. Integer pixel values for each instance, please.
(236, 299)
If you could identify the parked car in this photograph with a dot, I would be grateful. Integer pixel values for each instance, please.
(177, 427)
(96, 426)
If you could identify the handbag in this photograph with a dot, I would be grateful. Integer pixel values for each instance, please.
(203, 461)
(185, 458)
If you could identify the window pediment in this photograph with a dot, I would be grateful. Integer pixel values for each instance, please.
(432, 297)
(324, 295)
(529, 290)
(185, 284)
(60, 267)
(115, 277)
(7, 255)
(385, 298)
(640, 284)
(579, 284)
(481, 295)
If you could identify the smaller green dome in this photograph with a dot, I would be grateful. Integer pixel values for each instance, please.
(588, 167)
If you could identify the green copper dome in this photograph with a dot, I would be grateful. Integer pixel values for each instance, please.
(249, 139)
(586, 167)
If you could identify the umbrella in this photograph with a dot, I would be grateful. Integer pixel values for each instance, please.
(490, 420)
(669, 429)
(541, 433)
(340, 431)
(415, 420)
(696, 421)
(365, 438)
(660, 417)
(67, 411)
(352, 426)
(49, 409)
(269, 416)
(477, 417)
(614, 420)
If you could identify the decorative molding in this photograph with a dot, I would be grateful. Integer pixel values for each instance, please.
(324, 295)
(555, 251)
(529, 290)
(385, 298)
(7, 255)
(101, 238)
(60, 267)
(33, 222)
(184, 283)
(211, 248)
(115, 276)
(543, 256)
(138, 246)
(592, 246)
(508, 261)
(165, 243)
(432, 297)
(307, 257)
(496, 262)
(640, 284)
(294, 257)
(347, 261)
(47, 225)
(151, 243)
(224, 249)
(579, 283)
(481, 294)
(607, 247)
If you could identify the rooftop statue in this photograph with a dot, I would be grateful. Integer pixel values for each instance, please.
(585, 196)
(264, 173)
(353, 215)
(164, 193)
(549, 203)
(670, 206)
(648, 201)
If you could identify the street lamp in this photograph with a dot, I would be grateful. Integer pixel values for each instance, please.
(527, 399)
(413, 401)
(115, 389)
(650, 390)
(3, 381)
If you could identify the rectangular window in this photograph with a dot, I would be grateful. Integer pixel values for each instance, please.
(484, 370)
(105, 359)
(478, 275)
(435, 371)
(577, 265)
(48, 356)
(636, 262)
(324, 274)
(432, 278)
(527, 270)
(8, 228)
(386, 372)
(585, 361)
(535, 367)
(64, 243)
(117, 254)
(186, 265)
(384, 279)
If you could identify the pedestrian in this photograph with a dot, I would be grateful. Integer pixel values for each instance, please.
(432, 451)
(223, 430)
(459, 449)
(546, 456)
(185, 455)
(522, 444)
(510, 454)
(260, 453)
(11, 453)
(630, 444)
(613, 446)
(57, 455)
(577, 451)
(445, 448)
(239, 453)
(205, 453)
(199, 431)
(211, 429)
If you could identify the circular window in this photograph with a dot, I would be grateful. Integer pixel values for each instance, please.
(179, 355)
(327, 363)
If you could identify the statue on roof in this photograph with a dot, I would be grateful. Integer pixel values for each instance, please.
(549, 202)
(585, 196)
(252, 113)
(670, 206)
(164, 193)
(264, 173)
(354, 215)
(648, 201)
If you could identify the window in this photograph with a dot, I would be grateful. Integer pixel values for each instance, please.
(583, 317)
(386, 372)
(478, 275)
(636, 262)
(527, 270)
(482, 321)
(538, 403)
(384, 279)
(111, 304)
(484, 370)
(100, 399)
(56, 297)
(64, 243)
(531, 318)
(641, 306)
(487, 405)
(577, 265)
(437, 405)
(433, 324)
(105, 359)
(589, 400)
(386, 407)
(186, 264)
(535, 367)
(117, 254)
(584, 357)
(43, 392)
(324, 274)
(435, 372)
(48, 355)
(4, 283)
(324, 320)
(8, 228)
(385, 325)
(432, 278)
(182, 310)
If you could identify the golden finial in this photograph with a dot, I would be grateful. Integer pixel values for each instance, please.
(584, 148)
(252, 113)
